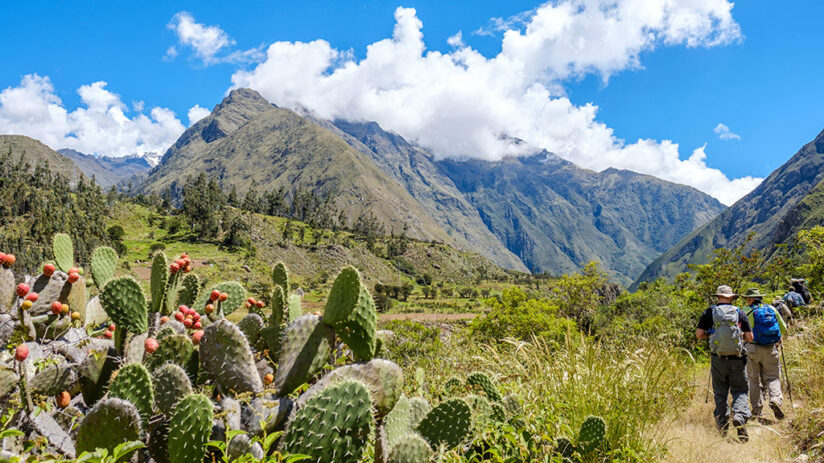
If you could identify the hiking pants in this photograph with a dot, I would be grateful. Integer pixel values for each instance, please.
(764, 371)
(729, 376)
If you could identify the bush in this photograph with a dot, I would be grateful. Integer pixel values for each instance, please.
(518, 316)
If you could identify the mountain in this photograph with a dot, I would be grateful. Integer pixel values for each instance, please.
(34, 151)
(416, 170)
(108, 171)
(541, 213)
(788, 200)
(557, 216)
(246, 139)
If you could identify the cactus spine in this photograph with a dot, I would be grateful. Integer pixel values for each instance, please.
(190, 428)
(448, 424)
(171, 385)
(124, 302)
(227, 358)
(480, 381)
(134, 384)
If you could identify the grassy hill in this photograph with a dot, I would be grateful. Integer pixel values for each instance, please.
(34, 152)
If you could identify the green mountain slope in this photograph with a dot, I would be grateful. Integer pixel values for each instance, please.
(108, 171)
(556, 216)
(246, 139)
(33, 151)
(785, 202)
(416, 170)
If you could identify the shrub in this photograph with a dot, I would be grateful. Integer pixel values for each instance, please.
(519, 316)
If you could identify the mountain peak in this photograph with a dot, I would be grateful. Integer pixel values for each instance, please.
(242, 98)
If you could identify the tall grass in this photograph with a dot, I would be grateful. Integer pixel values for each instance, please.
(806, 369)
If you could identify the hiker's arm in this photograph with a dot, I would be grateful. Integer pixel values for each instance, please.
(747, 336)
(782, 325)
(702, 334)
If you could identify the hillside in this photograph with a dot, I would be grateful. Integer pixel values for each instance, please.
(33, 151)
(556, 216)
(246, 140)
(108, 171)
(785, 202)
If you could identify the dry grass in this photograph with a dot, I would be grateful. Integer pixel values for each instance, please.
(693, 437)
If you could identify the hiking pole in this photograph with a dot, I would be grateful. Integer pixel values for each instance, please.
(707, 392)
(786, 376)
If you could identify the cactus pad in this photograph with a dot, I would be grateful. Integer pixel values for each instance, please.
(227, 358)
(280, 277)
(498, 414)
(251, 325)
(134, 384)
(170, 386)
(452, 385)
(512, 406)
(54, 379)
(189, 289)
(103, 265)
(448, 424)
(481, 409)
(279, 308)
(7, 287)
(124, 302)
(593, 431)
(418, 409)
(412, 448)
(63, 251)
(295, 309)
(383, 378)
(8, 381)
(159, 278)
(350, 310)
(110, 423)
(306, 346)
(172, 348)
(396, 422)
(564, 447)
(190, 428)
(480, 381)
(332, 426)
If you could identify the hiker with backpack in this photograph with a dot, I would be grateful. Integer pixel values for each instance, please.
(763, 356)
(783, 310)
(727, 327)
(793, 298)
(800, 286)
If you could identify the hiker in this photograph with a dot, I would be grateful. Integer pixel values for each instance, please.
(783, 310)
(727, 327)
(763, 357)
(793, 298)
(800, 286)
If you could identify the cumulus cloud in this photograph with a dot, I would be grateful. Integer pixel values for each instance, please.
(725, 133)
(99, 126)
(463, 104)
(197, 113)
(207, 42)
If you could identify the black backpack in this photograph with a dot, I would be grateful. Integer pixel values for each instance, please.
(802, 289)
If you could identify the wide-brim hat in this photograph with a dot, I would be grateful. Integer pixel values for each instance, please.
(725, 291)
(753, 293)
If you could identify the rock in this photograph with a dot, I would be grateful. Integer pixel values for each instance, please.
(272, 412)
(47, 427)
(7, 325)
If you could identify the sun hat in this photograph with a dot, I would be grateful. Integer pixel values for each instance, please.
(725, 291)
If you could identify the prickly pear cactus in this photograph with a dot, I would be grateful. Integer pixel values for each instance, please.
(133, 383)
(412, 448)
(63, 251)
(190, 428)
(78, 298)
(498, 414)
(332, 426)
(54, 379)
(351, 312)
(189, 289)
(171, 385)
(7, 287)
(235, 291)
(480, 381)
(110, 423)
(383, 378)
(592, 434)
(418, 409)
(452, 385)
(124, 302)
(251, 325)
(449, 424)
(279, 308)
(227, 358)
(306, 346)
(481, 409)
(396, 422)
(280, 277)
(564, 448)
(172, 348)
(159, 278)
(512, 406)
(295, 310)
(8, 381)
(94, 373)
(103, 265)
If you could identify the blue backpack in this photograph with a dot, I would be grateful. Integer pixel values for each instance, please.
(765, 330)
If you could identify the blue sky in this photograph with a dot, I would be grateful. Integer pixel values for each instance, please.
(762, 82)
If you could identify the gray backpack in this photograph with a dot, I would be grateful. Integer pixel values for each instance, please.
(726, 340)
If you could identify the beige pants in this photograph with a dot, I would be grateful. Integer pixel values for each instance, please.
(764, 371)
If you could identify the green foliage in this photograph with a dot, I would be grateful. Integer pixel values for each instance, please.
(813, 242)
(519, 315)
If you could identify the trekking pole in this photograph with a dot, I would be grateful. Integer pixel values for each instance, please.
(707, 392)
(786, 376)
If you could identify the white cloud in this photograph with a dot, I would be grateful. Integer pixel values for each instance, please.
(725, 133)
(197, 113)
(99, 126)
(463, 104)
(456, 40)
(207, 42)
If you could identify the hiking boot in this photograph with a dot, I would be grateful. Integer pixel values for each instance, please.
(743, 437)
(779, 414)
(723, 429)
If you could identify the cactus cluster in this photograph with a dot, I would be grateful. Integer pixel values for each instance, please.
(590, 438)
(146, 372)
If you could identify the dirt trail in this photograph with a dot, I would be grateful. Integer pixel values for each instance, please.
(692, 436)
(427, 317)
